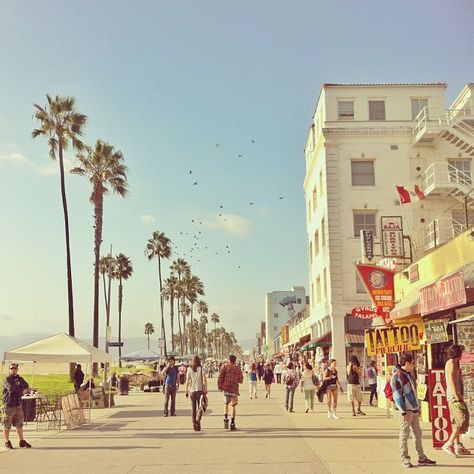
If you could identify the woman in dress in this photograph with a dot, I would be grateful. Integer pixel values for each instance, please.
(308, 386)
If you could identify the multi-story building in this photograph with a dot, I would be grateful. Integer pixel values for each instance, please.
(364, 140)
(280, 306)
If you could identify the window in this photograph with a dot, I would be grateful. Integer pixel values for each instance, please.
(316, 243)
(311, 252)
(315, 198)
(318, 290)
(417, 106)
(376, 110)
(298, 300)
(364, 220)
(362, 173)
(359, 285)
(345, 110)
(460, 171)
(275, 315)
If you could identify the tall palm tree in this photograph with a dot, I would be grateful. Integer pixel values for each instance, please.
(185, 312)
(180, 267)
(124, 270)
(103, 167)
(107, 266)
(203, 310)
(62, 124)
(193, 288)
(203, 332)
(159, 246)
(149, 329)
(170, 292)
(215, 318)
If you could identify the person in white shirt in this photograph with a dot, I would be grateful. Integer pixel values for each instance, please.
(278, 369)
(309, 384)
(196, 389)
(372, 379)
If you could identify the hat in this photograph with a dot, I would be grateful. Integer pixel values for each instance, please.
(13, 364)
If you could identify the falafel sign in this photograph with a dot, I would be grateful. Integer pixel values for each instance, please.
(395, 338)
(378, 283)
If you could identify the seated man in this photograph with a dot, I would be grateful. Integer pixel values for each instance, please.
(155, 383)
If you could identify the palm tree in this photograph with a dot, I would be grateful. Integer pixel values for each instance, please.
(202, 309)
(107, 266)
(185, 312)
(181, 267)
(63, 125)
(149, 329)
(170, 293)
(124, 270)
(193, 287)
(103, 166)
(159, 246)
(215, 318)
(202, 332)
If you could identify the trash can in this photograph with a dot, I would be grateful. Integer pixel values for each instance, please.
(123, 385)
(29, 408)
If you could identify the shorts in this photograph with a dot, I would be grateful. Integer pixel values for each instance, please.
(231, 398)
(12, 416)
(459, 417)
(354, 393)
(332, 388)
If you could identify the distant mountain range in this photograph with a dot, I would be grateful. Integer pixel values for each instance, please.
(130, 344)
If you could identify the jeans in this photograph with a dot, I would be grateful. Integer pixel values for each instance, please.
(412, 423)
(253, 388)
(195, 398)
(309, 399)
(373, 392)
(290, 395)
(170, 392)
(278, 378)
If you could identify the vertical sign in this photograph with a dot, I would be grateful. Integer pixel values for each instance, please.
(367, 243)
(440, 418)
(392, 236)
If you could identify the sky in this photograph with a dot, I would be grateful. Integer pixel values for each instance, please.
(219, 93)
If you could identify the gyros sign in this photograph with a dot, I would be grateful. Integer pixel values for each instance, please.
(364, 312)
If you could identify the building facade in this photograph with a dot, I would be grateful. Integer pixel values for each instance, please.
(364, 140)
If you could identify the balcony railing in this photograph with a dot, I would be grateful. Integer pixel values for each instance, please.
(444, 175)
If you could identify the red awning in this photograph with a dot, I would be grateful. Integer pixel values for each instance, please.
(305, 339)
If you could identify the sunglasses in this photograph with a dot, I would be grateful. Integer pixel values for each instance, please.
(14, 368)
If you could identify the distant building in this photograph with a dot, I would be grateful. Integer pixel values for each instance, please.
(364, 140)
(280, 306)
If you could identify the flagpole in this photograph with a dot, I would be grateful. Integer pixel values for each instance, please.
(415, 239)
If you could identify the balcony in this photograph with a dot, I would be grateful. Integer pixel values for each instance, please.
(441, 179)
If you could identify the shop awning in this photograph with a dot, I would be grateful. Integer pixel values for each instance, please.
(408, 306)
(465, 319)
(324, 340)
(305, 339)
(354, 340)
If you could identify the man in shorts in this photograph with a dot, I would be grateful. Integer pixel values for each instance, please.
(230, 376)
(14, 387)
(457, 406)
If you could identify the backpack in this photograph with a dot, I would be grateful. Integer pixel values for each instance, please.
(388, 391)
(290, 378)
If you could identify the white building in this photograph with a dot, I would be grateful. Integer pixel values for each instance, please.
(280, 306)
(363, 141)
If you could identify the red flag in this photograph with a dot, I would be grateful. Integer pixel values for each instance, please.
(403, 195)
(419, 192)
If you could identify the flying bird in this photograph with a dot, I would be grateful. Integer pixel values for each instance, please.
(281, 197)
(218, 145)
(252, 141)
(251, 203)
(190, 172)
(195, 183)
(240, 156)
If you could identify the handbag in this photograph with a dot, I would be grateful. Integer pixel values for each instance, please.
(203, 402)
(315, 380)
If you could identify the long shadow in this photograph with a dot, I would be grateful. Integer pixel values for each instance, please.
(83, 448)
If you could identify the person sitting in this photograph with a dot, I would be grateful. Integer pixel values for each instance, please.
(155, 383)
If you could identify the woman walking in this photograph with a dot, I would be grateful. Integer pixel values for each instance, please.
(252, 377)
(309, 384)
(268, 377)
(196, 388)
(331, 379)
(372, 379)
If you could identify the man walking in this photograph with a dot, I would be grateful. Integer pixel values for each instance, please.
(406, 401)
(14, 387)
(170, 384)
(457, 406)
(230, 376)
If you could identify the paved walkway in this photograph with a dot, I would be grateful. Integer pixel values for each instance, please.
(135, 438)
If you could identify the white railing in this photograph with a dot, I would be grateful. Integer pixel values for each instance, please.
(441, 230)
(445, 175)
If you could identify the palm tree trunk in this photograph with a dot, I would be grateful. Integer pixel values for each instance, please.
(148, 335)
(172, 319)
(97, 198)
(191, 335)
(163, 333)
(120, 296)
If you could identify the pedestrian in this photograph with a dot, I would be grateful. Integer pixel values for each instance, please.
(78, 377)
(331, 381)
(170, 385)
(182, 373)
(14, 387)
(372, 379)
(196, 388)
(457, 405)
(113, 380)
(268, 378)
(309, 384)
(260, 370)
(291, 380)
(354, 392)
(406, 401)
(252, 378)
(278, 370)
(230, 376)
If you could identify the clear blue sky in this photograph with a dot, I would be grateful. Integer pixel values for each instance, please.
(165, 82)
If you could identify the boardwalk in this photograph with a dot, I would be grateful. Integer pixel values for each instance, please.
(135, 438)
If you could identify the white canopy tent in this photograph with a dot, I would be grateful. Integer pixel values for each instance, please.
(58, 348)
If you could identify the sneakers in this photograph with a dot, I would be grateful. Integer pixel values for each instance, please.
(329, 414)
(198, 426)
(226, 423)
(407, 463)
(334, 416)
(460, 450)
(426, 462)
(24, 444)
(8, 445)
(360, 412)
(307, 410)
(232, 427)
(449, 449)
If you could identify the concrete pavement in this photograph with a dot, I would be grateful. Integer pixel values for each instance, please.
(135, 438)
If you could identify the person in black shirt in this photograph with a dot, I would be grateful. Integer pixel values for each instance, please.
(78, 377)
(14, 387)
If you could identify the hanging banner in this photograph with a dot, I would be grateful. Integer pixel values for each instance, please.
(367, 244)
(378, 283)
(392, 236)
(446, 293)
(400, 337)
(440, 417)
(436, 331)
